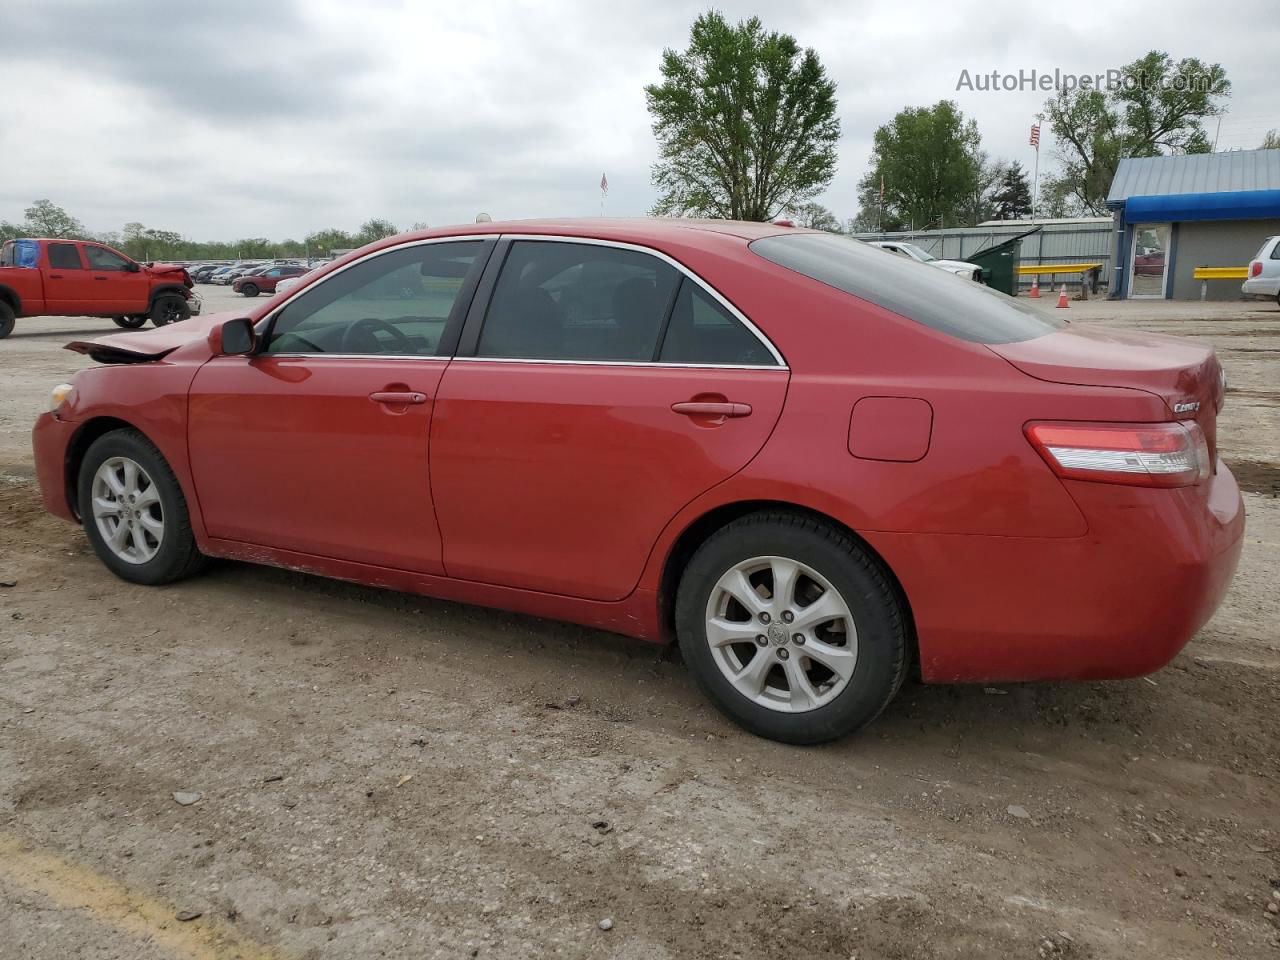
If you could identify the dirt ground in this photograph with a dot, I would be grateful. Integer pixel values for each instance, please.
(382, 775)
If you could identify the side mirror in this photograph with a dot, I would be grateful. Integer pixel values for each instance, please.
(237, 337)
(131, 267)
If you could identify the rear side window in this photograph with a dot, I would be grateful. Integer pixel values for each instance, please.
(64, 256)
(577, 301)
(702, 330)
(1275, 251)
(917, 291)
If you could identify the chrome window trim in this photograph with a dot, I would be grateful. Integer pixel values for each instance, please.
(779, 360)
(267, 318)
(646, 364)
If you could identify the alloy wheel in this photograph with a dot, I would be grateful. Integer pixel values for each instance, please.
(127, 510)
(781, 634)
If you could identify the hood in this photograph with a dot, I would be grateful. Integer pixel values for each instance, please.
(954, 264)
(170, 270)
(143, 346)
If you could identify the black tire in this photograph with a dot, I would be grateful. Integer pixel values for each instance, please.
(879, 619)
(177, 556)
(249, 289)
(129, 323)
(169, 308)
(7, 320)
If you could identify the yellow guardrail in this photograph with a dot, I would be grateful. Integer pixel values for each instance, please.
(1222, 273)
(1045, 268)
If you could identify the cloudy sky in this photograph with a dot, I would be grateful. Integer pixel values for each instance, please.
(274, 118)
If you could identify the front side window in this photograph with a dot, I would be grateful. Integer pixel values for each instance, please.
(64, 256)
(703, 331)
(100, 258)
(935, 298)
(577, 301)
(396, 303)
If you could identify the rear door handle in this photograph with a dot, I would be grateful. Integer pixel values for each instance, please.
(55, 276)
(397, 396)
(100, 278)
(710, 408)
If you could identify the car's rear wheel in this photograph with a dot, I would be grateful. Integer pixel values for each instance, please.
(129, 323)
(792, 629)
(134, 512)
(169, 308)
(249, 289)
(7, 320)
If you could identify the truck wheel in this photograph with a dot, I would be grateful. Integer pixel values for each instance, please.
(169, 308)
(249, 289)
(6, 320)
(129, 323)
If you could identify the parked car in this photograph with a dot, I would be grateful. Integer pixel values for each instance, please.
(811, 464)
(202, 273)
(73, 278)
(264, 279)
(288, 283)
(1264, 271)
(238, 270)
(962, 268)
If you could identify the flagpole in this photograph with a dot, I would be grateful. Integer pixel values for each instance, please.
(1035, 190)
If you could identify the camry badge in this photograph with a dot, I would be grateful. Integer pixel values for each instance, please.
(1186, 406)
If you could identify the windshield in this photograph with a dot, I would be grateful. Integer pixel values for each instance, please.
(916, 252)
(936, 298)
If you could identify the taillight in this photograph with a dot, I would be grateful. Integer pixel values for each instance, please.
(1140, 454)
(1255, 268)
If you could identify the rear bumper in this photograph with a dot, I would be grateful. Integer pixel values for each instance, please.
(1121, 601)
(50, 440)
(1261, 287)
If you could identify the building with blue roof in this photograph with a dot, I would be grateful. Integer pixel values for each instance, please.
(1174, 214)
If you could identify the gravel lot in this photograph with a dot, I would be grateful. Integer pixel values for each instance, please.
(382, 775)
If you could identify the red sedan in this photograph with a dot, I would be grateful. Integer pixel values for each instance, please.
(265, 279)
(811, 463)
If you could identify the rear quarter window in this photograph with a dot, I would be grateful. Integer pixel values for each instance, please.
(929, 296)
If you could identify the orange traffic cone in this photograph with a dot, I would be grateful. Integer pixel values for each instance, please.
(1035, 288)
(1062, 297)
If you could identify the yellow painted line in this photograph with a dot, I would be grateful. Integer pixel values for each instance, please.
(114, 905)
(1221, 273)
(1058, 268)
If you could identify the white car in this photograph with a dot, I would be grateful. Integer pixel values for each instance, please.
(960, 268)
(1264, 271)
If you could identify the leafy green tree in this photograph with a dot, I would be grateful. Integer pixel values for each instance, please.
(374, 229)
(1160, 107)
(929, 161)
(324, 242)
(1011, 198)
(814, 216)
(1271, 141)
(47, 219)
(745, 122)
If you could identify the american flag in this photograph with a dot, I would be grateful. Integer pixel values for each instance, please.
(604, 183)
(1035, 135)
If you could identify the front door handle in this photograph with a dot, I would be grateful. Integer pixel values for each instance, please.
(712, 408)
(101, 278)
(398, 396)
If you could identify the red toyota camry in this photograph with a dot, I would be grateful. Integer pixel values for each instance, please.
(810, 462)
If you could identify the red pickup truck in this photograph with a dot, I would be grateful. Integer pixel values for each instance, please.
(79, 278)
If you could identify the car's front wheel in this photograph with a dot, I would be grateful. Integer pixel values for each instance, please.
(169, 308)
(134, 512)
(792, 628)
(249, 289)
(129, 323)
(7, 320)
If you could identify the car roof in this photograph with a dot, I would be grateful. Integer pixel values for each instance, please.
(622, 229)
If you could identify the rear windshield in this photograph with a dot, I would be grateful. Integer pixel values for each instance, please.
(928, 295)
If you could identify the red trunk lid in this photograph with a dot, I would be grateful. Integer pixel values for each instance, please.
(1183, 372)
